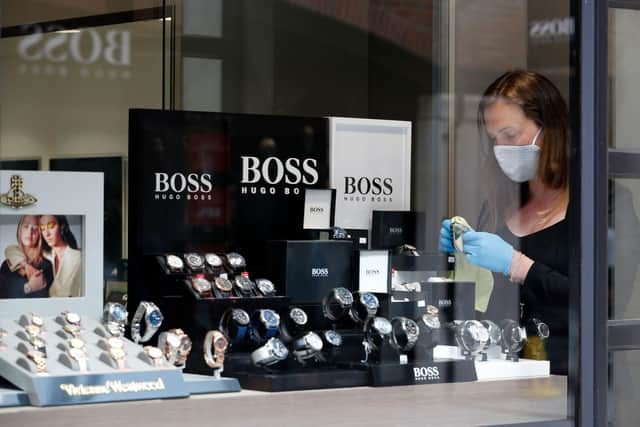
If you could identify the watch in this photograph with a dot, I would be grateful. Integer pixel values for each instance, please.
(223, 288)
(176, 346)
(36, 320)
(407, 287)
(40, 359)
(537, 327)
(266, 287)
(459, 226)
(365, 305)
(194, 261)
(72, 323)
(513, 339)
(148, 315)
(292, 323)
(215, 263)
(337, 303)
(264, 325)
(114, 318)
(215, 346)
(404, 333)
(339, 233)
(202, 287)
(77, 352)
(495, 336)
(332, 343)
(39, 344)
(119, 357)
(174, 263)
(234, 323)
(376, 332)
(306, 347)
(430, 328)
(155, 356)
(407, 250)
(471, 337)
(272, 352)
(235, 261)
(33, 332)
(244, 286)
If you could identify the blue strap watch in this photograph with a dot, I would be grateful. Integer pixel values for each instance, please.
(234, 323)
(264, 325)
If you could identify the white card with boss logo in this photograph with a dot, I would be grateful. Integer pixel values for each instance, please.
(317, 209)
(374, 271)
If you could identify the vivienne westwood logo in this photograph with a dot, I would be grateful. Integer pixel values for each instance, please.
(16, 198)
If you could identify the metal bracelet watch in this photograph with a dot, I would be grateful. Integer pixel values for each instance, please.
(537, 327)
(266, 287)
(176, 346)
(77, 352)
(235, 261)
(174, 263)
(215, 346)
(264, 325)
(201, 286)
(214, 262)
(404, 333)
(365, 305)
(36, 320)
(269, 354)
(292, 322)
(194, 261)
(306, 347)
(495, 336)
(234, 324)
(222, 287)
(337, 303)
(513, 339)
(149, 314)
(244, 286)
(376, 331)
(72, 323)
(471, 337)
(114, 318)
(117, 353)
(40, 360)
(154, 355)
(406, 249)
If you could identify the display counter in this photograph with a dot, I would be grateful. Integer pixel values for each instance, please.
(461, 404)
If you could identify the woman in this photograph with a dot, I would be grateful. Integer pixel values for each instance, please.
(62, 249)
(527, 123)
(25, 272)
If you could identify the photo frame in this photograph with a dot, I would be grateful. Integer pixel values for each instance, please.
(55, 198)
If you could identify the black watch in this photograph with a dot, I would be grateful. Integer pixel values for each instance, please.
(292, 323)
(244, 286)
(222, 287)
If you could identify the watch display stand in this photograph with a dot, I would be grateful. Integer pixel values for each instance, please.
(61, 384)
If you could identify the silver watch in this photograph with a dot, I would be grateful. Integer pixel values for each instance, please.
(404, 333)
(471, 337)
(174, 263)
(114, 318)
(307, 346)
(513, 339)
(236, 261)
(266, 287)
(337, 303)
(272, 352)
(365, 305)
(150, 314)
(194, 261)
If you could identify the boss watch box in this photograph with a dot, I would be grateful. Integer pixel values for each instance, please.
(390, 229)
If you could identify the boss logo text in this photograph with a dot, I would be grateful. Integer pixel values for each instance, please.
(426, 373)
(191, 186)
(319, 272)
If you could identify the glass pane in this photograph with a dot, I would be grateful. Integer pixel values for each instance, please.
(624, 388)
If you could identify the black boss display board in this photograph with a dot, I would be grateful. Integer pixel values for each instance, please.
(218, 182)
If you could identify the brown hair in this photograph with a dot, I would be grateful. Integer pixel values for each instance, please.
(33, 255)
(542, 103)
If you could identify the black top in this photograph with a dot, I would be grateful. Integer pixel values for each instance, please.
(12, 282)
(545, 291)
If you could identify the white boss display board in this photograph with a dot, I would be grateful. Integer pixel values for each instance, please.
(52, 198)
(370, 168)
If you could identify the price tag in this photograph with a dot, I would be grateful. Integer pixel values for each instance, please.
(422, 303)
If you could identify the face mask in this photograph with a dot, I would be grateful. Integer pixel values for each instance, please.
(519, 162)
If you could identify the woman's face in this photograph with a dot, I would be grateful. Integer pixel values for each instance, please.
(29, 232)
(51, 231)
(506, 124)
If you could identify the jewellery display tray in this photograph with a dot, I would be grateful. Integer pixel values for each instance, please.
(102, 382)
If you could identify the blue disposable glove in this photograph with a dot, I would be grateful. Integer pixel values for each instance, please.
(446, 244)
(488, 251)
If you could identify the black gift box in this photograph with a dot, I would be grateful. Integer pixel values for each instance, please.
(307, 270)
(390, 229)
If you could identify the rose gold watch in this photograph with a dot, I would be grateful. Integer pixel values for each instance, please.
(215, 346)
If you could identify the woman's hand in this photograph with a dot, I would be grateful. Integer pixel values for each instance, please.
(446, 244)
(488, 251)
(36, 279)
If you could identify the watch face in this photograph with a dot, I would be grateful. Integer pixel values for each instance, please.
(236, 261)
(33, 330)
(119, 313)
(220, 343)
(174, 262)
(223, 284)
(213, 260)
(200, 284)
(155, 318)
(369, 300)
(411, 327)
(38, 343)
(37, 320)
(298, 316)
(114, 342)
(265, 286)
(244, 283)
(117, 353)
(270, 318)
(314, 341)
(194, 260)
(76, 343)
(382, 325)
(77, 353)
(278, 348)
(432, 322)
(173, 340)
(543, 330)
(333, 338)
(343, 296)
(153, 352)
(432, 310)
(240, 316)
(495, 334)
(72, 318)
(185, 344)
